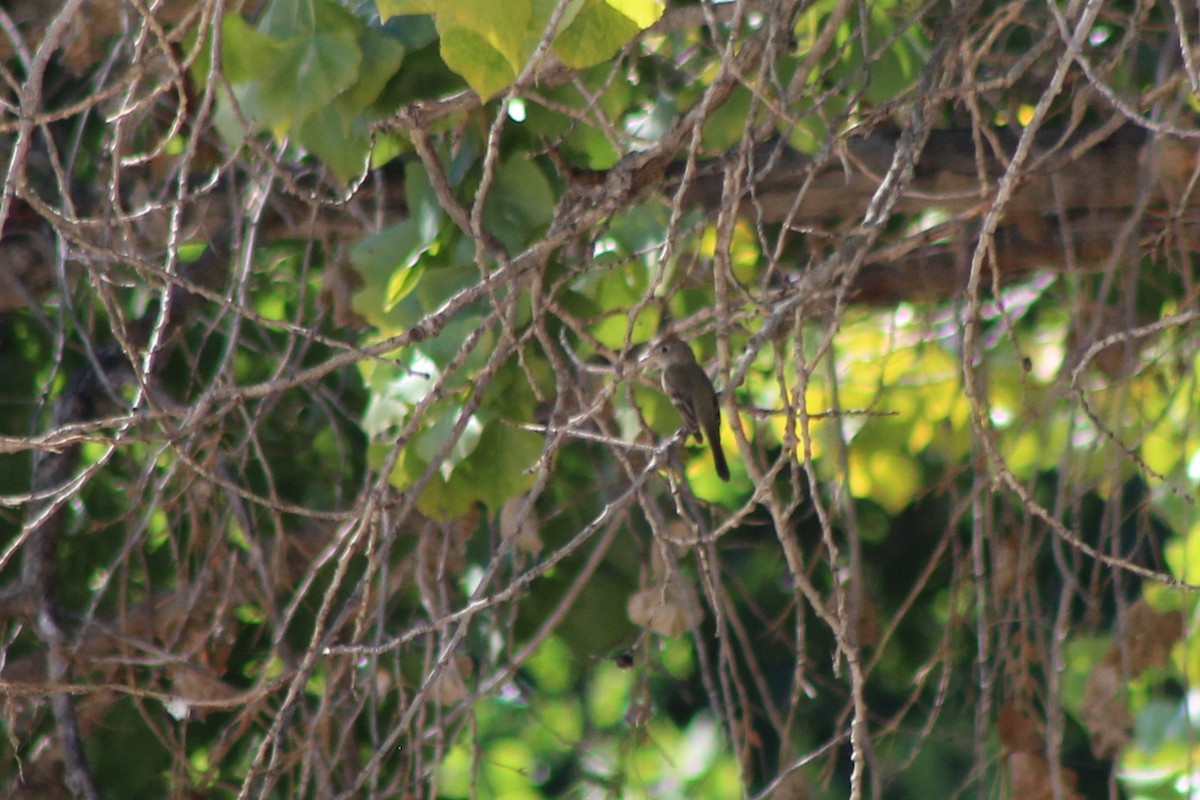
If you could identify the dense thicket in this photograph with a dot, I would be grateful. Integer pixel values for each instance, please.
(330, 466)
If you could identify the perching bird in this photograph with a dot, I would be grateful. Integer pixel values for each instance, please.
(692, 394)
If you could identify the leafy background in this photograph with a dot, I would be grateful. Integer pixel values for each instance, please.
(329, 469)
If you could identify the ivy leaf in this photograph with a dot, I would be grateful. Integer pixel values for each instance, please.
(501, 26)
(520, 205)
(389, 263)
(310, 74)
(482, 40)
(246, 53)
(338, 133)
(303, 55)
(602, 27)
(396, 8)
(311, 67)
(489, 43)
(642, 13)
(485, 69)
(497, 468)
(342, 147)
(422, 201)
(381, 58)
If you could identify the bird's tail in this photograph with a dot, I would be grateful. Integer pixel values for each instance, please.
(714, 441)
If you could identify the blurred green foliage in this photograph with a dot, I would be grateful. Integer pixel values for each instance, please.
(883, 414)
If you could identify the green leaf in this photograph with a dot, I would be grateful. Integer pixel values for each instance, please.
(726, 126)
(483, 41)
(488, 466)
(539, 20)
(602, 27)
(431, 441)
(618, 290)
(660, 414)
(311, 73)
(446, 347)
(395, 8)
(395, 389)
(403, 281)
(497, 469)
(234, 127)
(304, 54)
(390, 261)
(381, 58)
(285, 19)
(246, 54)
(343, 148)
(544, 9)
(520, 204)
(643, 13)
(485, 69)
(422, 201)
(389, 264)
(501, 25)
(893, 72)
(489, 43)
(444, 499)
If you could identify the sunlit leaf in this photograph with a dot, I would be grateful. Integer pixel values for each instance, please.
(602, 27)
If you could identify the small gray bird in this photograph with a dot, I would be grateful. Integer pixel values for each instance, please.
(692, 394)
